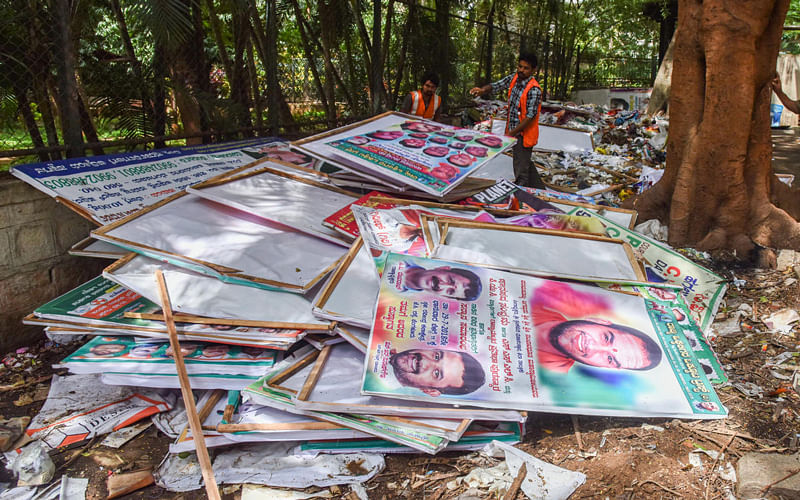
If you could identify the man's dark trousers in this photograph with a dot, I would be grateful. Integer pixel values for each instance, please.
(524, 170)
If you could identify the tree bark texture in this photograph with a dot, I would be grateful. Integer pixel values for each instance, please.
(659, 97)
(716, 189)
(68, 88)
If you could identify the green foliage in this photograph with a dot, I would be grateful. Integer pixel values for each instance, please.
(121, 91)
(790, 41)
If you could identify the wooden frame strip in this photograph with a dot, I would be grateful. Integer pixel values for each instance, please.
(299, 143)
(301, 363)
(312, 378)
(77, 209)
(309, 426)
(340, 271)
(186, 391)
(189, 318)
(444, 224)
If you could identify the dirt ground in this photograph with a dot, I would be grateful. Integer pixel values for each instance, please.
(623, 458)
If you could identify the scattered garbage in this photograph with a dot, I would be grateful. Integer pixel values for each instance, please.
(31, 464)
(270, 464)
(781, 321)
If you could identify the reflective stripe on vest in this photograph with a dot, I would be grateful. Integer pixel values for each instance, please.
(530, 136)
(418, 105)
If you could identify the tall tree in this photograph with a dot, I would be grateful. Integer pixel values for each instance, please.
(715, 192)
(67, 86)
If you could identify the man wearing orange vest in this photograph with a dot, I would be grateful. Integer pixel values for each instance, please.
(524, 104)
(424, 102)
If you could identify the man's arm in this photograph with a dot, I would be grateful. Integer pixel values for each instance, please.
(480, 91)
(406, 107)
(519, 128)
(492, 87)
(791, 105)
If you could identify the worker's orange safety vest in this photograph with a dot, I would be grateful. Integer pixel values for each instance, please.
(530, 136)
(418, 105)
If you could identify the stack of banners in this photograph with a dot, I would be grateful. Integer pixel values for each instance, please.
(124, 361)
(109, 187)
(324, 385)
(251, 423)
(99, 307)
(407, 154)
(494, 339)
(348, 322)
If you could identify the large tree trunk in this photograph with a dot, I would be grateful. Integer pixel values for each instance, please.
(716, 189)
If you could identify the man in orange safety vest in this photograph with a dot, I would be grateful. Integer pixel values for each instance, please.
(524, 104)
(424, 102)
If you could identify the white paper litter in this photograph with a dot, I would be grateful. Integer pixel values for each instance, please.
(781, 321)
(543, 480)
(654, 229)
(118, 438)
(258, 492)
(73, 488)
(270, 464)
(31, 464)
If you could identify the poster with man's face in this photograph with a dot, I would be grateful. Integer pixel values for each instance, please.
(458, 334)
(428, 156)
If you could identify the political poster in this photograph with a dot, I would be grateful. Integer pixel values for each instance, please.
(430, 157)
(113, 353)
(108, 187)
(463, 335)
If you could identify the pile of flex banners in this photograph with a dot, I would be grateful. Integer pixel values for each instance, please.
(301, 309)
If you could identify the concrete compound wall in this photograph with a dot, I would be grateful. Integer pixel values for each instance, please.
(35, 234)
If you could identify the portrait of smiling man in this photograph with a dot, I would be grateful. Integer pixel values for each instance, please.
(438, 371)
(445, 281)
(570, 329)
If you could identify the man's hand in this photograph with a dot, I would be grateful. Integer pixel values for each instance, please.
(776, 84)
(478, 91)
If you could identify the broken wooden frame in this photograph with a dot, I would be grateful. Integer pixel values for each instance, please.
(241, 339)
(350, 293)
(540, 252)
(190, 232)
(293, 201)
(355, 336)
(198, 298)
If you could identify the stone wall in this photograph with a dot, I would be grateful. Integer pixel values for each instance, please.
(35, 235)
